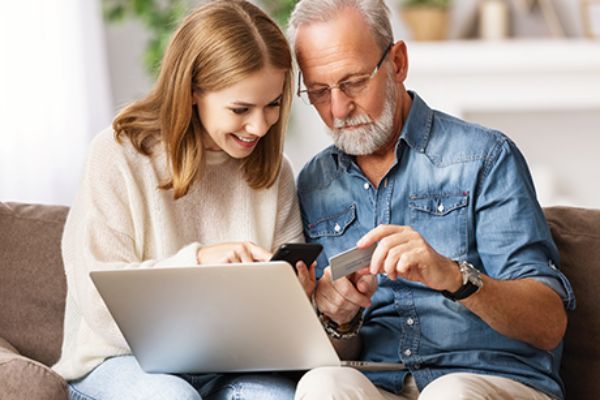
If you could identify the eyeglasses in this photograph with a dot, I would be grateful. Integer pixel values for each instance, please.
(351, 87)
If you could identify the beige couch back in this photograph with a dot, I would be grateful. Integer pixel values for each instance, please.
(32, 287)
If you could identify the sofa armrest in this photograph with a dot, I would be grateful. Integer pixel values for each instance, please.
(23, 378)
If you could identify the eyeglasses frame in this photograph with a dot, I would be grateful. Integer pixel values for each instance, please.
(331, 87)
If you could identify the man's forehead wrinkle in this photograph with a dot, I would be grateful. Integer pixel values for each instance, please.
(331, 62)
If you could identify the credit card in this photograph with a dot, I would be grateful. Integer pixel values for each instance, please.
(350, 261)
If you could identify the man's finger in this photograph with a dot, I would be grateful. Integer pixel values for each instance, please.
(367, 284)
(339, 292)
(350, 293)
(302, 271)
(378, 233)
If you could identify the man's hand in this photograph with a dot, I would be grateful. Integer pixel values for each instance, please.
(402, 252)
(340, 300)
(307, 277)
(511, 307)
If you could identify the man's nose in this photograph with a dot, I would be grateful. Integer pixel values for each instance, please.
(341, 104)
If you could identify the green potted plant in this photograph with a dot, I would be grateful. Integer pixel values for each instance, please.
(426, 19)
(160, 17)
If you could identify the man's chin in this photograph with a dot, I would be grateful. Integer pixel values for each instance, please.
(355, 149)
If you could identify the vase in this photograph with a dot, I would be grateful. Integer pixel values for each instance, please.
(426, 23)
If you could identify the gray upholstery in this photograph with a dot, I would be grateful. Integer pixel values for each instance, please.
(32, 296)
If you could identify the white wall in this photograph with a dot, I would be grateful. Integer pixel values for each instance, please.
(126, 42)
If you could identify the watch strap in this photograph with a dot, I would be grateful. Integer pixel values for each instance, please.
(471, 282)
(462, 293)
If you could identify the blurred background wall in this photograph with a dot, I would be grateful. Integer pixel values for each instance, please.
(526, 67)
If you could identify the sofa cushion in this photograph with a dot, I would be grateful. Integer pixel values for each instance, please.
(32, 279)
(25, 379)
(576, 232)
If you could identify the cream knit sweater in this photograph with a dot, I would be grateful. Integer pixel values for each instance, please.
(120, 219)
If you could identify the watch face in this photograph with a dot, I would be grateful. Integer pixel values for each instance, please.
(470, 274)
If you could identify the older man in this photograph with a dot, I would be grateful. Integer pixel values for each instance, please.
(463, 286)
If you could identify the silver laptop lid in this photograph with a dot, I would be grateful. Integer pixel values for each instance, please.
(216, 318)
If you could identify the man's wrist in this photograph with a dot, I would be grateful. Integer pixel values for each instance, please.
(457, 278)
(347, 330)
(471, 282)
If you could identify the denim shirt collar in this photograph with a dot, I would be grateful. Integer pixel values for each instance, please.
(417, 127)
(415, 132)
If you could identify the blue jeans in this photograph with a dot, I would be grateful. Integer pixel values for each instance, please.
(122, 378)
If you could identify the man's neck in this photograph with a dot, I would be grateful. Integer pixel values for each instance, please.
(376, 165)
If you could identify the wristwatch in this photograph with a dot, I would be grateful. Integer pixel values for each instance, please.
(472, 282)
(342, 331)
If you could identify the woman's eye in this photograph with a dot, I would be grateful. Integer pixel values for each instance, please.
(239, 111)
(275, 104)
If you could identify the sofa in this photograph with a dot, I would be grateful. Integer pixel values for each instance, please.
(33, 287)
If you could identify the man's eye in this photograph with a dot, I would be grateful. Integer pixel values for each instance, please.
(354, 84)
(320, 92)
(239, 110)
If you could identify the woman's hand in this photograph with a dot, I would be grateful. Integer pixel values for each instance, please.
(307, 277)
(234, 252)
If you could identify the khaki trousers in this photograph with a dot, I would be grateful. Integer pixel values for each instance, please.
(343, 383)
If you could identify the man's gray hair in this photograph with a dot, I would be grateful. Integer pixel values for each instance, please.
(375, 13)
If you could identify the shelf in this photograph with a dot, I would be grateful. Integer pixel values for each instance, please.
(511, 75)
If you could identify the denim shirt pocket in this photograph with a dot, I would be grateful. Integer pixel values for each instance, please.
(332, 230)
(333, 225)
(441, 218)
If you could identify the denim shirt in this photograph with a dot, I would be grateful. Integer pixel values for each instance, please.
(468, 191)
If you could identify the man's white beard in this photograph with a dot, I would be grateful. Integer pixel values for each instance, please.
(373, 135)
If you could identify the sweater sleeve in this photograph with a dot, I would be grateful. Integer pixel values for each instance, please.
(288, 225)
(105, 230)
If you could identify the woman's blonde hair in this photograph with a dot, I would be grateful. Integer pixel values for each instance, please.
(217, 45)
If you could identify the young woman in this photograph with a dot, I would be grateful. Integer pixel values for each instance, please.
(192, 173)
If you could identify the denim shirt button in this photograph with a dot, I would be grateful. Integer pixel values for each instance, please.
(441, 208)
(366, 186)
(408, 352)
(337, 228)
(410, 321)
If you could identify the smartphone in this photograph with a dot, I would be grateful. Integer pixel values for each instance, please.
(294, 252)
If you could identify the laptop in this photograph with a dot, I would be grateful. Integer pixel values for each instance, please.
(219, 318)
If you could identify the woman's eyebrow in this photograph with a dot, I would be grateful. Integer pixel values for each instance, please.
(245, 104)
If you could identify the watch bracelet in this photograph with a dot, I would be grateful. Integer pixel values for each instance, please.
(343, 331)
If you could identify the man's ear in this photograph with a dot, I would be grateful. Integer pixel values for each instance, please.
(399, 57)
